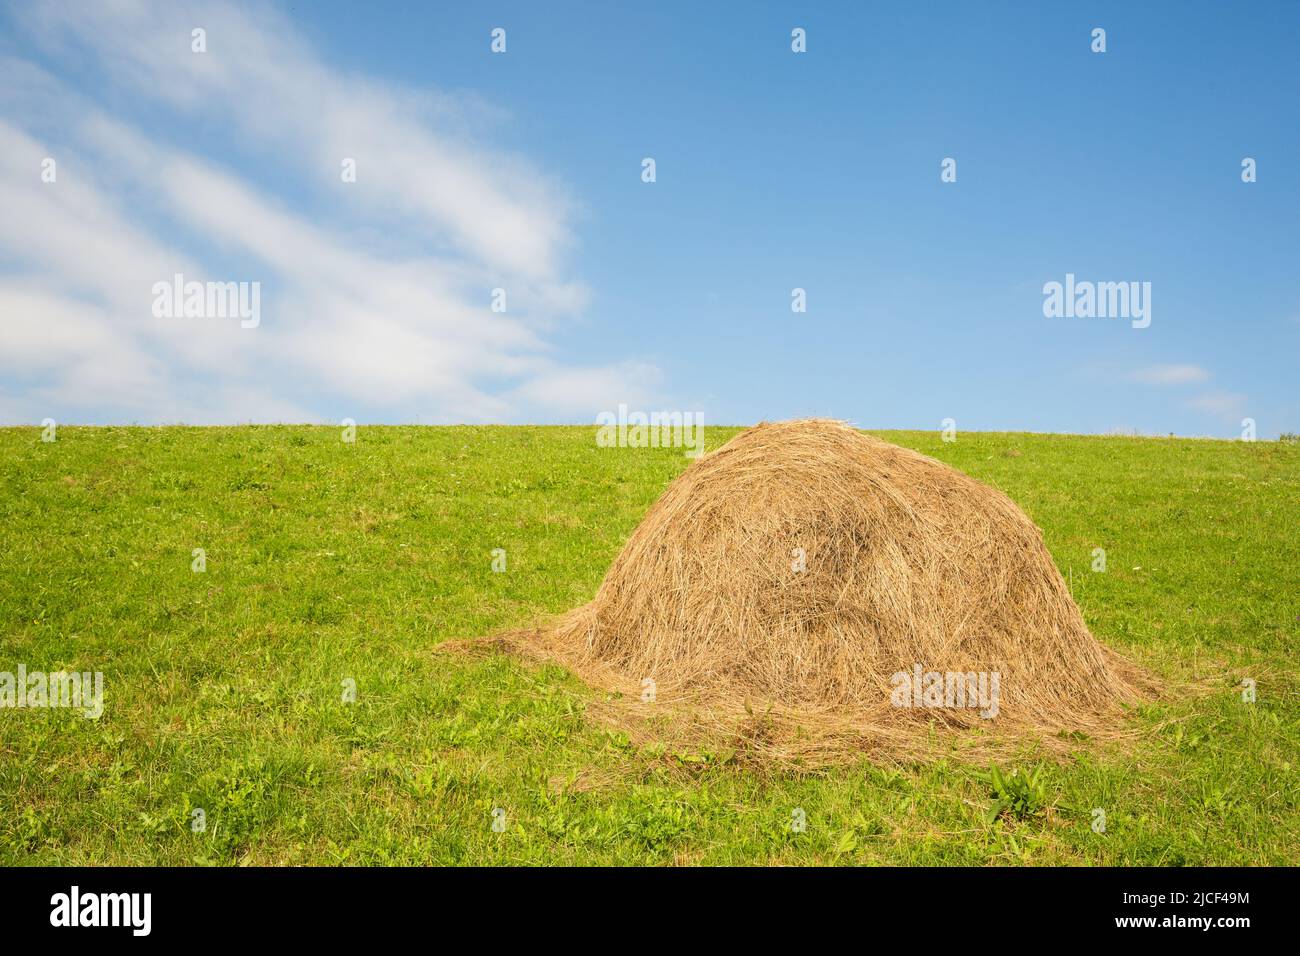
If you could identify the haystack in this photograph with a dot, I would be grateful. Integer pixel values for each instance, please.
(809, 589)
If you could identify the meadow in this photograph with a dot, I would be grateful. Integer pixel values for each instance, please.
(281, 699)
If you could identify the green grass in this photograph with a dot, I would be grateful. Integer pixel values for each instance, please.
(329, 561)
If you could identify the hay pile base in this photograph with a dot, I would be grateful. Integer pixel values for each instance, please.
(781, 582)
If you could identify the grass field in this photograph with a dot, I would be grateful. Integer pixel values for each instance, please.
(329, 562)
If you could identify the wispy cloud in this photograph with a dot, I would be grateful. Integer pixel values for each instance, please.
(376, 293)
(1226, 406)
(1170, 375)
(1230, 406)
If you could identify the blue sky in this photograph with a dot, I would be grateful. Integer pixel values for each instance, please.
(774, 170)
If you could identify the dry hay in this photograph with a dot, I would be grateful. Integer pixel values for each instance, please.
(908, 562)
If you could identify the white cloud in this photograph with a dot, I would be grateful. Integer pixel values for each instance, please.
(276, 92)
(1171, 375)
(1226, 405)
(1223, 405)
(375, 294)
(574, 391)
